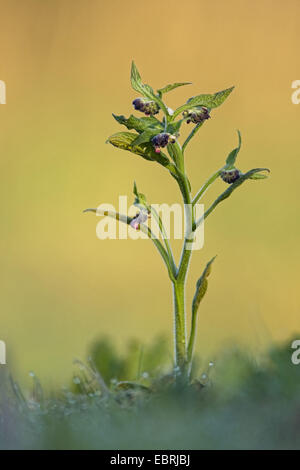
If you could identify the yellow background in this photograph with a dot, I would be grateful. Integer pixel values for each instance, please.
(66, 66)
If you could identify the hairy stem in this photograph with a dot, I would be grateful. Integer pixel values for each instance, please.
(179, 326)
(179, 285)
(206, 185)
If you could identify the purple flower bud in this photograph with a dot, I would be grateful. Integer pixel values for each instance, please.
(196, 115)
(145, 106)
(162, 140)
(140, 218)
(139, 104)
(230, 176)
(134, 224)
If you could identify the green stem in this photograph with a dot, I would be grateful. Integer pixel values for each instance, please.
(191, 343)
(164, 236)
(179, 285)
(206, 186)
(179, 326)
(191, 135)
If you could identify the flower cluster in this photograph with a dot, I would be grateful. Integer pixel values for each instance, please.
(162, 140)
(230, 176)
(196, 115)
(145, 106)
(140, 218)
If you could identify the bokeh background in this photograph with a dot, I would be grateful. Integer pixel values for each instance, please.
(66, 65)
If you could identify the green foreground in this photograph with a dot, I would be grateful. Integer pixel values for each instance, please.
(237, 403)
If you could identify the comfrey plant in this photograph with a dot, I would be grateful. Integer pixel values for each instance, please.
(149, 137)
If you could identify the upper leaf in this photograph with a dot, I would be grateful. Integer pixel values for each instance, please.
(209, 101)
(171, 87)
(140, 124)
(125, 141)
(173, 127)
(230, 161)
(138, 85)
(144, 89)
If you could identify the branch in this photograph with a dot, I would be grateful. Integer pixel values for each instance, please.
(206, 185)
(249, 175)
(164, 237)
(125, 219)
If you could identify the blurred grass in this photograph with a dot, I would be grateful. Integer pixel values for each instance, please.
(240, 402)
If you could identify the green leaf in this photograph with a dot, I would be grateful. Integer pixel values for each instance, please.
(144, 89)
(171, 87)
(173, 127)
(140, 124)
(230, 161)
(114, 215)
(140, 198)
(124, 141)
(145, 136)
(138, 85)
(201, 287)
(209, 101)
(258, 176)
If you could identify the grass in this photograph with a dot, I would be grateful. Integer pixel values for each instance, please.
(238, 403)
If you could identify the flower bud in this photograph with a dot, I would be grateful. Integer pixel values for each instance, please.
(230, 176)
(140, 218)
(162, 140)
(172, 139)
(145, 106)
(196, 115)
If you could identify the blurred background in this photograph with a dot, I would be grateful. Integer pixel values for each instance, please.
(66, 66)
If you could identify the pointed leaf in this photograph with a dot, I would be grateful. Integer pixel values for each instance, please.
(173, 127)
(144, 89)
(114, 215)
(258, 176)
(140, 198)
(201, 287)
(230, 161)
(124, 141)
(171, 87)
(138, 85)
(140, 124)
(135, 191)
(209, 101)
(144, 137)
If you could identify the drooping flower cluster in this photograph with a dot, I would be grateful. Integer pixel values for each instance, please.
(196, 115)
(146, 106)
(140, 218)
(230, 176)
(162, 140)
